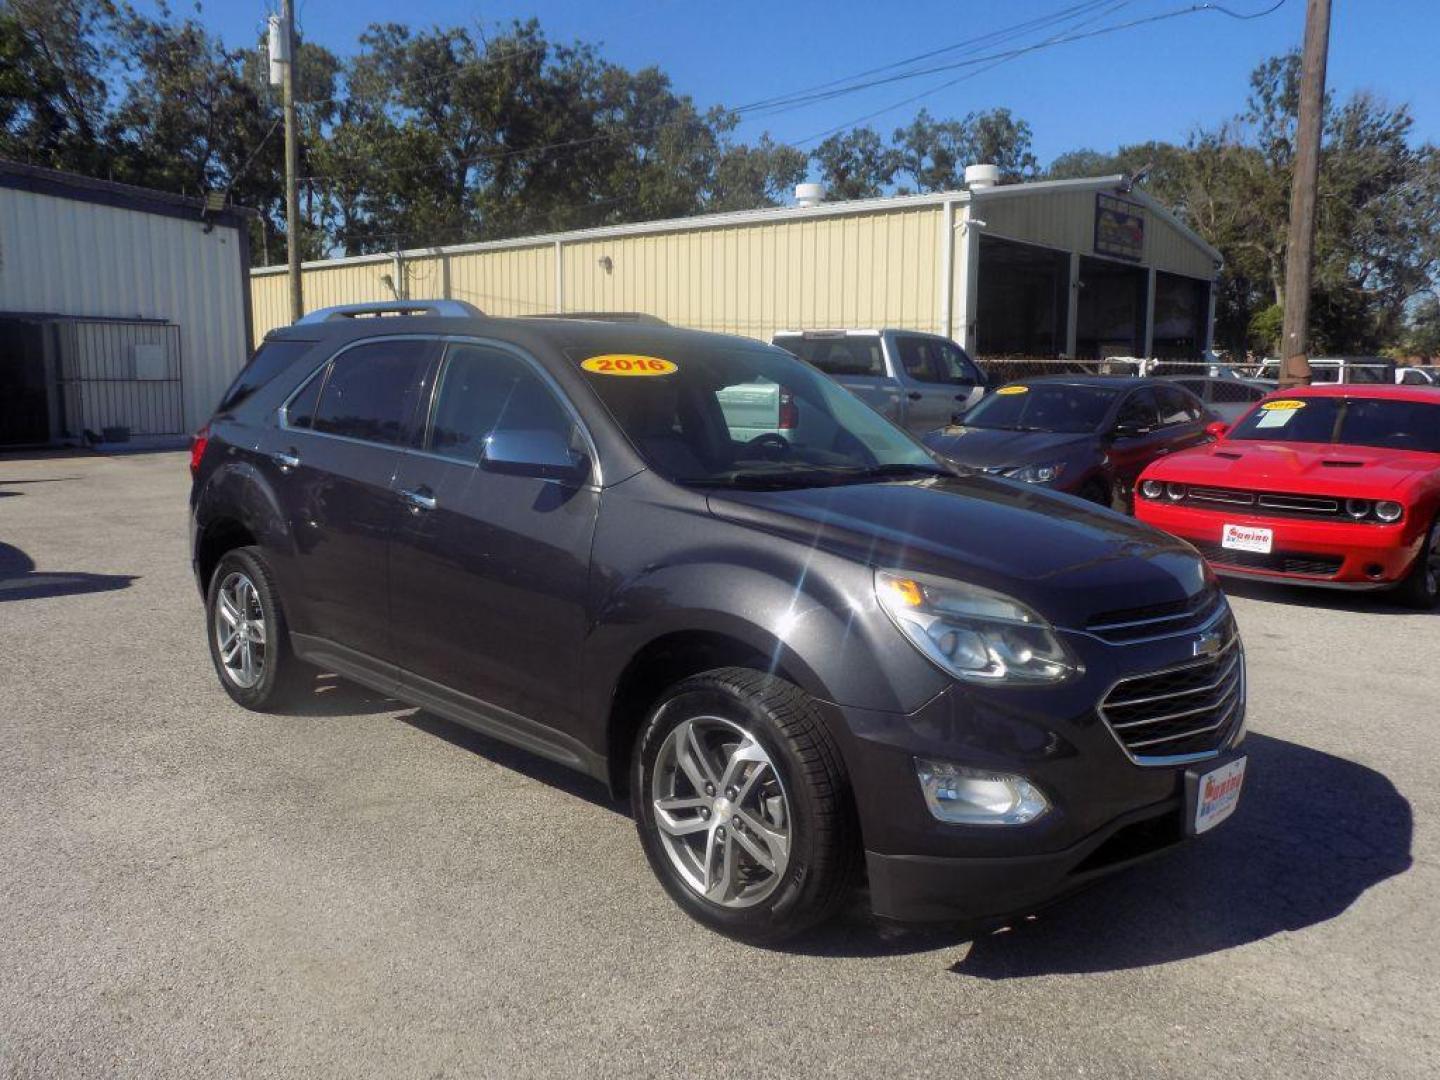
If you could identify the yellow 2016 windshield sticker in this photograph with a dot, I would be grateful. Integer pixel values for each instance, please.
(1005, 390)
(625, 364)
(1286, 405)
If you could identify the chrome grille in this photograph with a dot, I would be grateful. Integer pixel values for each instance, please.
(1222, 495)
(1182, 713)
(1131, 625)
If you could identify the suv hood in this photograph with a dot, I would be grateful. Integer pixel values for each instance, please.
(1067, 559)
(1326, 468)
(982, 447)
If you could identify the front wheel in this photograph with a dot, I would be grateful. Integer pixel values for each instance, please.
(743, 807)
(1421, 587)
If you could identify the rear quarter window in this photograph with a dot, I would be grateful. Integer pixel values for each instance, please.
(269, 360)
(838, 355)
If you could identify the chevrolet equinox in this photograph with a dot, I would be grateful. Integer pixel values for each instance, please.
(807, 660)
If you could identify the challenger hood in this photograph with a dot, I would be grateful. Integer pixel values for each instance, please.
(1068, 559)
(1298, 468)
(986, 447)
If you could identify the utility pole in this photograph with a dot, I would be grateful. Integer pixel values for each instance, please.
(292, 161)
(1299, 252)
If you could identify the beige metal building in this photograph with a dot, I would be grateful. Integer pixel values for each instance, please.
(1079, 268)
(121, 309)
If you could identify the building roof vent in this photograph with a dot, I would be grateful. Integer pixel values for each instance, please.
(809, 194)
(980, 177)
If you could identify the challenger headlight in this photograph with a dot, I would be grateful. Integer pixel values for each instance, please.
(1152, 489)
(973, 633)
(1389, 512)
(1039, 474)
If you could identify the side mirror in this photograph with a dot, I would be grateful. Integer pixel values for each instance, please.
(1217, 429)
(541, 454)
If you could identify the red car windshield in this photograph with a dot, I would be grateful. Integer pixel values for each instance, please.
(1387, 424)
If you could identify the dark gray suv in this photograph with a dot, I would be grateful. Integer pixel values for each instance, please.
(806, 661)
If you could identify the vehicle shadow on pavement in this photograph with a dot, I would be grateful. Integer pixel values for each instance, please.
(1363, 602)
(517, 760)
(331, 695)
(19, 580)
(1312, 834)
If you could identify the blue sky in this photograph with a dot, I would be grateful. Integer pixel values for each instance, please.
(1151, 82)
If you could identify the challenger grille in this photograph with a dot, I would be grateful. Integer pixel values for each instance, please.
(1284, 562)
(1186, 711)
(1269, 503)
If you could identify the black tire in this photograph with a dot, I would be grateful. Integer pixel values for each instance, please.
(824, 846)
(1421, 587)
(281, 675)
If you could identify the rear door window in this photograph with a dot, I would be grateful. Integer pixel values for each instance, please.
(1176, 406)
(371, 391)
(1139, 411)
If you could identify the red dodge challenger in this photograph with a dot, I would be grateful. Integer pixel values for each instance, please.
(1335, 485)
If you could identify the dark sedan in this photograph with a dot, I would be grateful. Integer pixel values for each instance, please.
(1087, 435)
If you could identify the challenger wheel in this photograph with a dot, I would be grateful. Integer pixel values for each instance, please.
(743, 806)
(1421, 587)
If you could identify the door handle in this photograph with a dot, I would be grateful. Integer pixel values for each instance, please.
(1162, 451)
(419, 499)
(914, 395)
(285, 459)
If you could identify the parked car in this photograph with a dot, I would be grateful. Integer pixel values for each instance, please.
(1224, 397)
(1338, 369)
(920, 381)
(1325, 485)
(1087, 435)
(1416, 376)
(795, 659)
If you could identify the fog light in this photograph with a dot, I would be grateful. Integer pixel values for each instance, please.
(1389, 511)
(1152, 489)
(1357, 508)
(966, 796)
(1175, 492)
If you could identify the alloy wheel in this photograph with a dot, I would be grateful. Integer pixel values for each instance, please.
(240, 631)
(721, 811)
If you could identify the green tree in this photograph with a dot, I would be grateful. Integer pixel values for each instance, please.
(856, 164)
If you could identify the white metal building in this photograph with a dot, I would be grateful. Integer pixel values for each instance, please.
(121, 308)
(1084, 268)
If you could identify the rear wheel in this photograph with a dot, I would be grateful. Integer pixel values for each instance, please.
(1421, 587)
(249, 639)
(743, 807)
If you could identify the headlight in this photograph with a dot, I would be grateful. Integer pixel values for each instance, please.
(973, 633)
(1038, 474)
(1175, 492)
(1152, 489)
(1389, 511)
(968, 796)
(1357, 508)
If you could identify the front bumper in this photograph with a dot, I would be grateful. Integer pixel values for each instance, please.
(1363, 555)
(1106, 811)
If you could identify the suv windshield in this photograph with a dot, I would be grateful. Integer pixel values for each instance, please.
(749, 417)
(1382, 423)
(1040, 407)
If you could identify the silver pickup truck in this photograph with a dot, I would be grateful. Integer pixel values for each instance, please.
(920, 381)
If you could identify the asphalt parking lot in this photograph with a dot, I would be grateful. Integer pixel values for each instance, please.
(189, 889)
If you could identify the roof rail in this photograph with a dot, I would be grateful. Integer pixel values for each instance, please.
(447, 309)
(604, 316)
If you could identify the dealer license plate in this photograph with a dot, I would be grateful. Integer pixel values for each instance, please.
(1247, 538)
(1217, 794)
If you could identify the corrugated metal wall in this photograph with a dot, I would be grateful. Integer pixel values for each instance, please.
(75, 258)
(877, 264)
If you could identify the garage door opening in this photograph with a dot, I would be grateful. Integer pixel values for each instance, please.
(1022, 298)
(1111, 310)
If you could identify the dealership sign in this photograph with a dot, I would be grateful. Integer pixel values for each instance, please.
(1119, 228)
